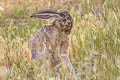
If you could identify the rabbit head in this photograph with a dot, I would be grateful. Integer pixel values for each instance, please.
(62, 19)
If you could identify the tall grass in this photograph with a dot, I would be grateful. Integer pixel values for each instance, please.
(94, 46)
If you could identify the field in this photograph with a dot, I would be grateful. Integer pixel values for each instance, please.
(94, 45)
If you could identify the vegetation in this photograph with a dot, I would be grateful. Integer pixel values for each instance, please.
(95, 39)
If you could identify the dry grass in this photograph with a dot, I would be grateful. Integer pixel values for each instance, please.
(95, 39)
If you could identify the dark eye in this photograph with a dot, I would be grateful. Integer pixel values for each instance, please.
(64, 20)
(68, 22)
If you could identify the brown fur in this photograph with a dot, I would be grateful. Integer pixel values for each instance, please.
(52, 40)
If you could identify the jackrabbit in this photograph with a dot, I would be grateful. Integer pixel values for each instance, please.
(53, 39)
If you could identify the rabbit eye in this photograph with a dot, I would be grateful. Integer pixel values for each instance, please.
(68, 23)
(64, 20)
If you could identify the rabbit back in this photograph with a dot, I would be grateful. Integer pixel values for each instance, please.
(45, 40)
(37, 43)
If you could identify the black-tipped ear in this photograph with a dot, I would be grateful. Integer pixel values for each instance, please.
(45, 14)
(52, 11)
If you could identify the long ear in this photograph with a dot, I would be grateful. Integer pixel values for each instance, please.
(45, 14)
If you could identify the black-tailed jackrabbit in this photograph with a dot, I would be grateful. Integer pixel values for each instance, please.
(53, 39)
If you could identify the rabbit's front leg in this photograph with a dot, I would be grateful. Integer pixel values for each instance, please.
(64, 54)
(67, 61)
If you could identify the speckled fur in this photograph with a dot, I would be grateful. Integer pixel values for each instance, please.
(49, 42)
